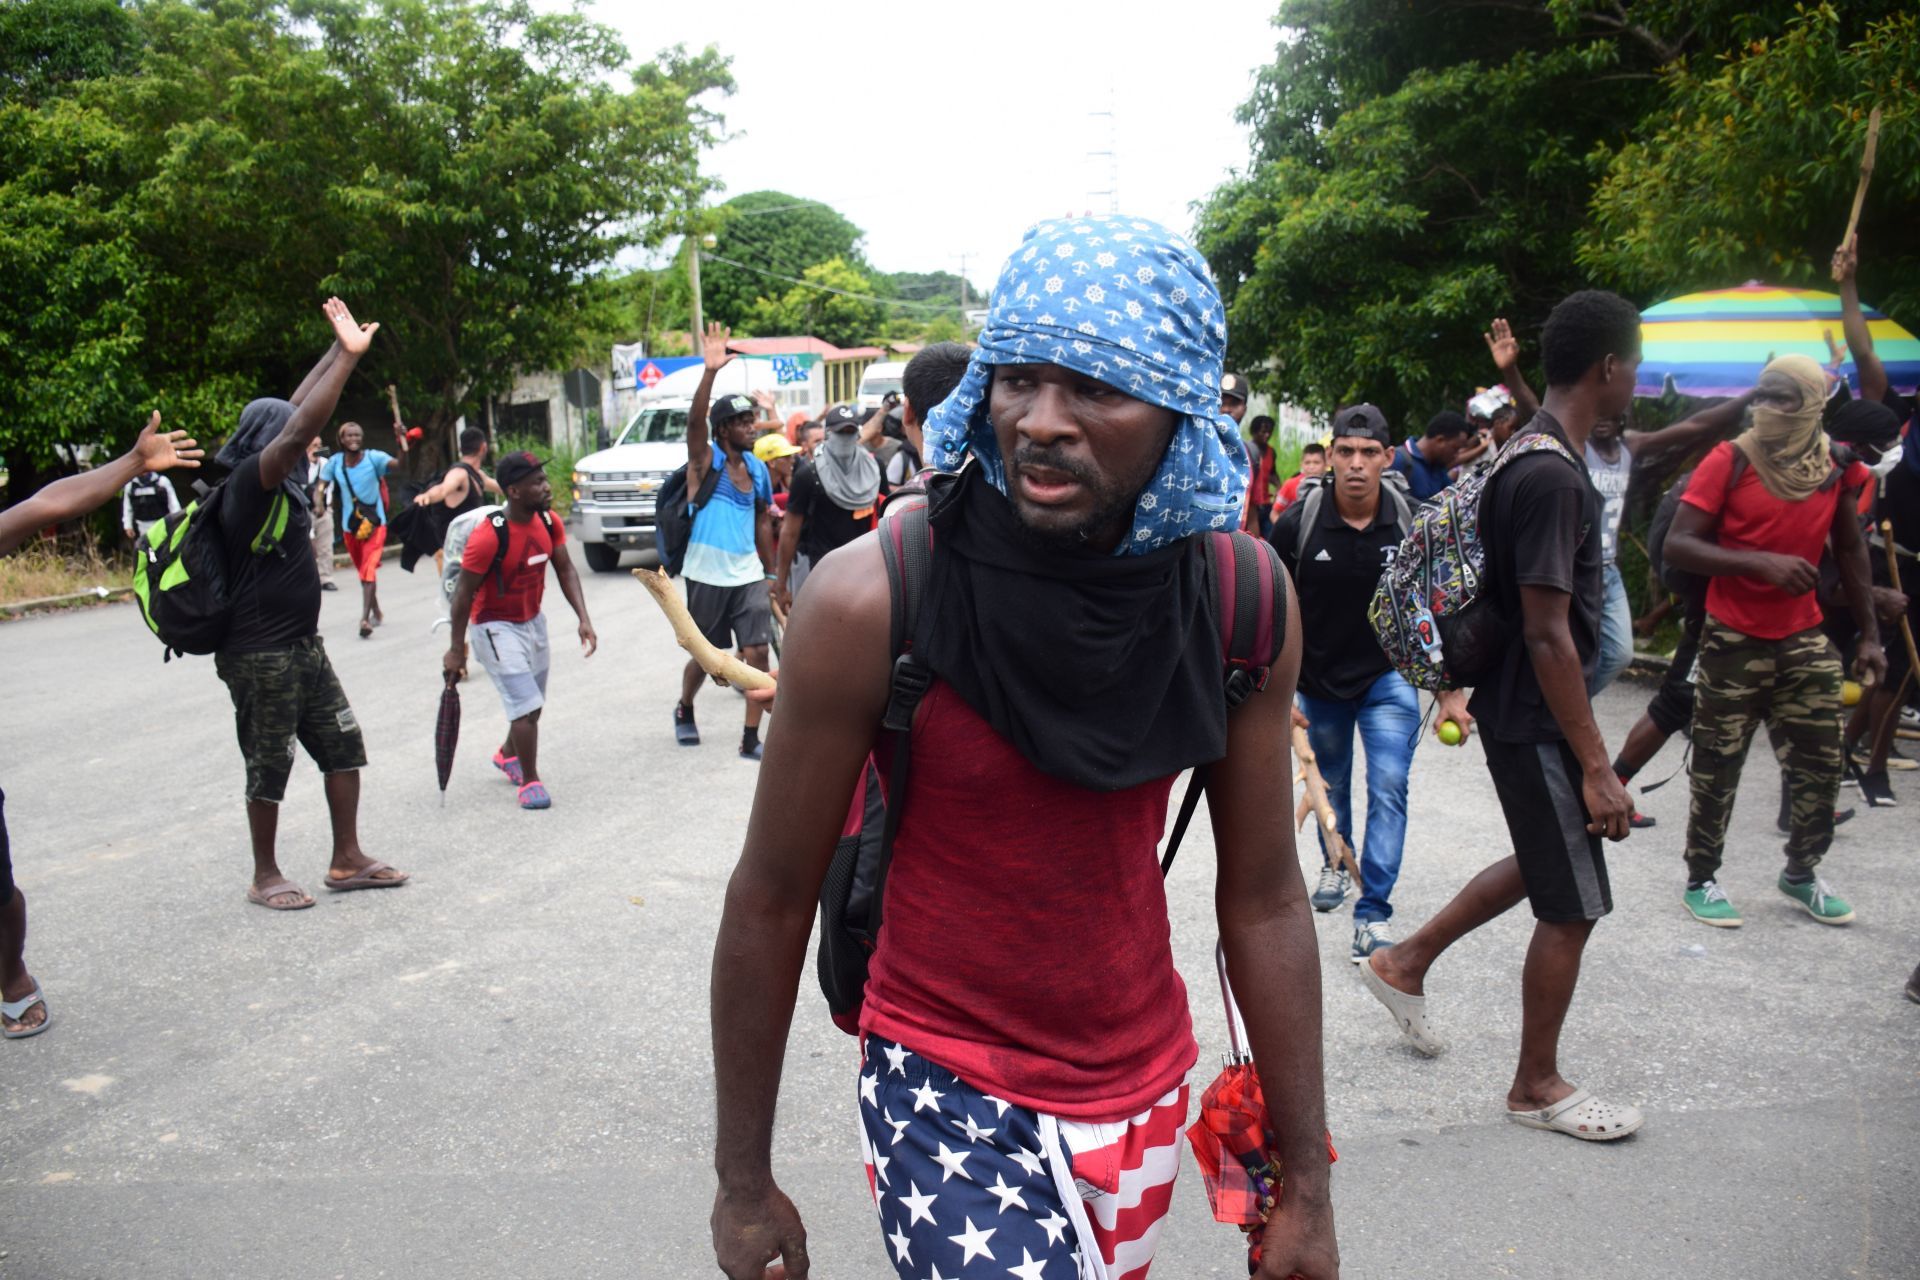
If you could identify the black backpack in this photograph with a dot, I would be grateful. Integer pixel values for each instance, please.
(497, 521)
(855, 885)
(1688, 586)
(673, 516)
(181, 575)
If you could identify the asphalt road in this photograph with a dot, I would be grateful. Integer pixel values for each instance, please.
(503, 1068)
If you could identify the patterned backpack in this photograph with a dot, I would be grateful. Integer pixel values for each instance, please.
(1429, 612)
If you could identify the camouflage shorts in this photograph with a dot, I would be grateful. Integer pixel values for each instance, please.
(286, 696)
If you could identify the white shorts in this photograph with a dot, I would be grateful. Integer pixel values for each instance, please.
(516, 655)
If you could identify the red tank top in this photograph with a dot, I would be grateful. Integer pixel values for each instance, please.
(1027, 947)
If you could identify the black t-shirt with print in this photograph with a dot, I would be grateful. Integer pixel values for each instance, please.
(1340, 656)
(828, 526)
(276, 596)
(1540, 520)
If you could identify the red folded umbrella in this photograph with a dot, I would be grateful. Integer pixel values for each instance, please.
(446, 732)
(1233, 1140)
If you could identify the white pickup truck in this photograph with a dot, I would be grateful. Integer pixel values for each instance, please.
(614, 489)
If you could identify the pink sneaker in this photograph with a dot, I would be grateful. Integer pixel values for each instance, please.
(509, 765)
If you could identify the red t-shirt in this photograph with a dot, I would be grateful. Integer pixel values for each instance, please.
(1289, 493)
(1027, 947)
(524, 570)
(1751, 519)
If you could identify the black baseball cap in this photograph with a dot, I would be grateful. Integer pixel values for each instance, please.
(515, 467)
(1232, 384)
(729, 407)
(1362, 422)
(843, 417)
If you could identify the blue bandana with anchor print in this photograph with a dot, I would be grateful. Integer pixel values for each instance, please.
(1130, 303)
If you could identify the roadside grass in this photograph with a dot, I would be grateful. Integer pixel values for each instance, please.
(66, 566)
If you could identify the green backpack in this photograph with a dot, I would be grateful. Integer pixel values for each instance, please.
(180, 574)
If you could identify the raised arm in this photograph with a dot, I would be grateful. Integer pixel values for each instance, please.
(1853, 323)
(289, 449)
(1273, 959)
(155, 450)
(300, 392)
(1709, 426)
(1505, 349)
(714, 354)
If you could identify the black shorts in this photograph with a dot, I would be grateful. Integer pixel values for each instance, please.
(1539, 788)
(731, 617)
(6, 856)
(1671, 709)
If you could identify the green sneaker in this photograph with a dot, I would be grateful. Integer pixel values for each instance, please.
(1821, 902)
(1709, 905)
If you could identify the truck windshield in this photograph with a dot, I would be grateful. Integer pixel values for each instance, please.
(651, 426)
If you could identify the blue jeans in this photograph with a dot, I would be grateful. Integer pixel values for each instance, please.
(1616, 632)
(1388, 715)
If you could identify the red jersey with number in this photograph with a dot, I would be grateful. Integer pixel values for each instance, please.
(1751, 519)
(1026, 945)
(514, 591)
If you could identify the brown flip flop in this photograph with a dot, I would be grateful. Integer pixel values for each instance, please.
(263, 895)
(367, 877)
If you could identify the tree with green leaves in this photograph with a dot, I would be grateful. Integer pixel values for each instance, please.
(465, 170)
(836, 303)
(1421, 167)
(774, 237)
(1752, 167)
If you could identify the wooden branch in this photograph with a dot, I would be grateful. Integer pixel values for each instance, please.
(1315, 801)
(723, 667)
(1866, 178)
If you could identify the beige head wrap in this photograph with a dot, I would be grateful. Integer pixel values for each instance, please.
(1785, 445)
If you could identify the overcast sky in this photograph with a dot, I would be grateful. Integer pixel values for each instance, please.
(946, 129)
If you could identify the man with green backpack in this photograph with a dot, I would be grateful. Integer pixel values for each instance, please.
(23, 1007)
(271, 657)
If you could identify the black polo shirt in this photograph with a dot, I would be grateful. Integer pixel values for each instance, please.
(1335, 579)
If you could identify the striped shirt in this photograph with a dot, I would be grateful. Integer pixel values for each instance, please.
(721, 551)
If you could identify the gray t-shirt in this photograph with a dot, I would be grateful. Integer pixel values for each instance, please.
(1610, 478)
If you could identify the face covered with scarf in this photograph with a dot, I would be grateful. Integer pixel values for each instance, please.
(261, 423)
(1093, 398)
(1786, 445)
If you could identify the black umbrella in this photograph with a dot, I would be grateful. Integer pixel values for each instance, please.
(446, 732)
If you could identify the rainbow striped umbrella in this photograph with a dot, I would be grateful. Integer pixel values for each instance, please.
(1715, 343)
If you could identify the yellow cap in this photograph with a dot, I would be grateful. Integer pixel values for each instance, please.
(773, 445)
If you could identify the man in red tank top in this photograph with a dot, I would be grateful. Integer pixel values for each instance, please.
(1025, 1036)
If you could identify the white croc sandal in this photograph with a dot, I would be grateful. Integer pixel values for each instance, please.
(1410, 1012)
(1581, 1115)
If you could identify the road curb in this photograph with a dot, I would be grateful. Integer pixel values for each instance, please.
(113, 595)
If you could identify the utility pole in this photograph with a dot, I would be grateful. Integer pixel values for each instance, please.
(693, 281)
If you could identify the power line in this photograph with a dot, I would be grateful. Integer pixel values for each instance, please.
(946, 307)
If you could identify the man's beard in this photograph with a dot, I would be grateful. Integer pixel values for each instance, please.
(1113, 505)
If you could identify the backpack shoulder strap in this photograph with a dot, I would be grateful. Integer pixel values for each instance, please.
(1250, 601)
(497, 521)
(1310, 503)
(906, 546)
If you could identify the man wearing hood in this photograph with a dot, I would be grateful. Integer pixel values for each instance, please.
(1026, 1039)
(273, 662)
(835, 494)
(1755, 518)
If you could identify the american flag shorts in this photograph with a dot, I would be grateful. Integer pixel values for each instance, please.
(968, 1186)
